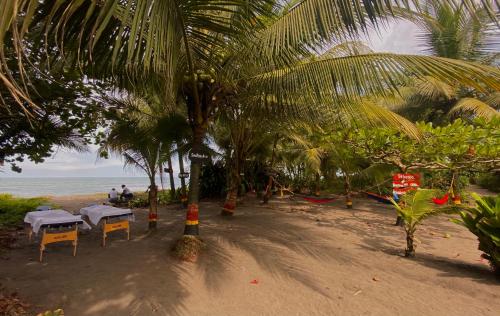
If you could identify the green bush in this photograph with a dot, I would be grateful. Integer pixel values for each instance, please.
(484, 222)
(490, 181)
(13, 209)
(164, 197)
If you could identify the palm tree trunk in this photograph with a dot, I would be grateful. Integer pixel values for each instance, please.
(192, 223)
(317, 185)
(183, 180)
(153, 204)
(410, 248)
(171, 176)
(232, 193)
(347, 184)
(268, 192)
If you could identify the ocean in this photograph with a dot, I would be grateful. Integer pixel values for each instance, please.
(30, 187)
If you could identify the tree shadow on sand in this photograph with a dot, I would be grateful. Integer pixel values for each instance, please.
(275, 250)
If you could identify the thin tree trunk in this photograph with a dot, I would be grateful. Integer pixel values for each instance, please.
(153, 204)
(268, 192)
(183, 180)
(317, 185)
(348, 199)
(410, 248)
(171, 176)
(192, 223)
(454, 187)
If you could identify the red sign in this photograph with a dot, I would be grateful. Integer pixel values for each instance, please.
(403, 182)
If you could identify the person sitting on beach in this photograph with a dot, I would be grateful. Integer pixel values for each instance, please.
(126, 194)
(113, 196)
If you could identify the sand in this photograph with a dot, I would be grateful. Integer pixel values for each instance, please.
(285, 258)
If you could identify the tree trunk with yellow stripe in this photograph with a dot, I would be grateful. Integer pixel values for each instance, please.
(192, 223)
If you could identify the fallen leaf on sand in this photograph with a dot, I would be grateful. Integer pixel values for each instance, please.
(254, 281)
(446, 235)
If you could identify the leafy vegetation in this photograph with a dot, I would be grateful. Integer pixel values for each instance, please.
(13, 209)
(414, 207)
(484, 222)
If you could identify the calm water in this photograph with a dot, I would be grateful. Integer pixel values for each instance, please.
(67, 186)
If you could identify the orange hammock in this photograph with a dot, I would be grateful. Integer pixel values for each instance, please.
(317, 200)
(440, 201)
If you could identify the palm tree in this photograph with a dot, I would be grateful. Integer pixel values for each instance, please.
(453, 32)
(130, 136)
(144, 137)
(414, 207)
(190, 42)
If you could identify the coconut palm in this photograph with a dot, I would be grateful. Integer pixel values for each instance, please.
(413, 208)
(130, 136)
(190, 42)
(144, 137)
(453, 32)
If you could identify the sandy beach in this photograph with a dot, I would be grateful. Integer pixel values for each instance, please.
(284, 258)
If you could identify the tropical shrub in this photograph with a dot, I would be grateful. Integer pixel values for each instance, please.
(484, 222)
(142, 199)
(13, 209)
(490, 181)
(414, 207)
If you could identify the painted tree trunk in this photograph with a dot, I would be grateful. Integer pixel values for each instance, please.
(410, 248)
(171, 176)
(153, 205)
(192, 223)
(232, 193)
(184, 198)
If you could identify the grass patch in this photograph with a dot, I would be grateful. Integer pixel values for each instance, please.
(13, 209)
(188, 248)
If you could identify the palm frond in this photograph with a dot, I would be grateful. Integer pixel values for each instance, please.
(474, 106)
(433, 89)
(314, 23)
(339, 82)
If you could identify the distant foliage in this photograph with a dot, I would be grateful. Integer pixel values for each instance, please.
(13, 209)
(213, 180)
(490, 181)
(164, 198)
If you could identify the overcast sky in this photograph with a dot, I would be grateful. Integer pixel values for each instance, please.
(400, 37)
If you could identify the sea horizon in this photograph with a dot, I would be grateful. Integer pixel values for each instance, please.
(61, 186)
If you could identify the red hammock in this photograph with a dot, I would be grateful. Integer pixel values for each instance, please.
(440, 201)
(316, 200)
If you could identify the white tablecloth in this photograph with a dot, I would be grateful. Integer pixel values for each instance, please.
(97, 212)
(51, 217)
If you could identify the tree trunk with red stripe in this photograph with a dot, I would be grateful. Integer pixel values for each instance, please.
(192, 223)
